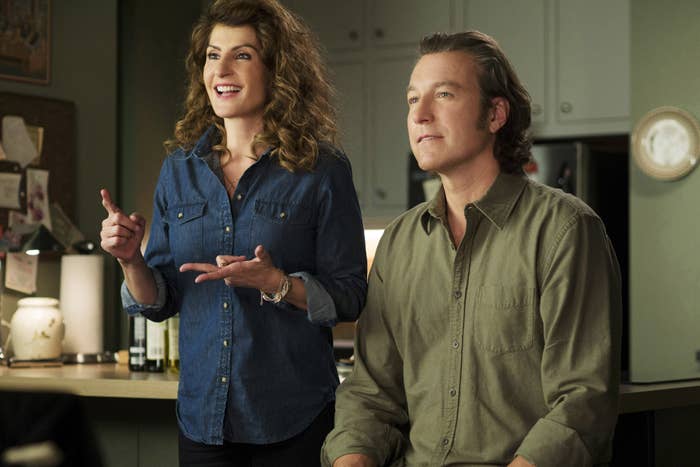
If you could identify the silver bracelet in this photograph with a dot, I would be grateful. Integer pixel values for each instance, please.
(279, 295)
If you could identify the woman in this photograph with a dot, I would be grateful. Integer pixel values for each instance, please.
(256, 241)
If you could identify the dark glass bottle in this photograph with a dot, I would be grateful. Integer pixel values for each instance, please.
(155, 346)
(137, 343)
(566, 180)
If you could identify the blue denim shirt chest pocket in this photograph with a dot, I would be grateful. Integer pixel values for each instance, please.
(186, 228)
(281, 224)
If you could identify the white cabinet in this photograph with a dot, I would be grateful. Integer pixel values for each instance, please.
(349, 79)
(404, 23)
(388, 133)
(519, 27)
(572, 56)
(338, 25)
(592, 57)
(371, 47)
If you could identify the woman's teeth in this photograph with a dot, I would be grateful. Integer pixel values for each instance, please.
(223, 89)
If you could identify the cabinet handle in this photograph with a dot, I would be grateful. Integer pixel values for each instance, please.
(381, 194)
(536, 109)
(379, 33)
(353, 35)
(566, 107)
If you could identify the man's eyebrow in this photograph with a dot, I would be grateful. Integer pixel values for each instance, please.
(449, 83)
(452, 84)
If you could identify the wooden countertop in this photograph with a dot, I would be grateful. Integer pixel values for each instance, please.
(93, 380)
(656, 396)
(112, 380)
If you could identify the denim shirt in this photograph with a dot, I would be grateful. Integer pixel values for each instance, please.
(255, 373)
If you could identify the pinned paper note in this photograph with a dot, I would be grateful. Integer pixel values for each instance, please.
(21, 271)
(36, 135)
(3, 156)
(16, 141)
(16, 218)
(9, 190)
(38, 197)
(63, 229)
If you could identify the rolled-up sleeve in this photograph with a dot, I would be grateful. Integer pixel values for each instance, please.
(341, 261)
(580, 309)
(132, 306)
(370, 408)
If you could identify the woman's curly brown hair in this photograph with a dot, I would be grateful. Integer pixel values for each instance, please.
(298, 113)
(496, 78)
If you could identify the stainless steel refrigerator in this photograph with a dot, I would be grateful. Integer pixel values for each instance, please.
(595, 170)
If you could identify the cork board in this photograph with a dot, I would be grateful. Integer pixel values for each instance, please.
(57, 118)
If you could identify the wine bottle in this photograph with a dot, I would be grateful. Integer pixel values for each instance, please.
(137, 343)
(173, 344)
(566, 180)
(155, 346)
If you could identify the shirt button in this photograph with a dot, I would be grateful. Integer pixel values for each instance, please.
(283, 215)
(223, 379)
(445, 441)
(226, 345)
(239, 196)
(458, 294)
(228, 229)
(225, 305)
(180, 215)
(455, 344)
(453, 392)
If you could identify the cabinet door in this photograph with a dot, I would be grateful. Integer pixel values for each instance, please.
(592, 59)
(405, 22)
(349, 79)
(389, 146)
(339, 24)
(519, 27)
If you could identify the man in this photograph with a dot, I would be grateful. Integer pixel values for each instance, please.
(492, 326)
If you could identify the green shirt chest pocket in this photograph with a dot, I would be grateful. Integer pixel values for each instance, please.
(504, 318)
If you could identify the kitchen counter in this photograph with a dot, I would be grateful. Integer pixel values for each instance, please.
(657, 396)
(112, 380)
(92, 380)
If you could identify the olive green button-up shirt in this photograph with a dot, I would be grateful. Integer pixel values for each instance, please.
(508, 344)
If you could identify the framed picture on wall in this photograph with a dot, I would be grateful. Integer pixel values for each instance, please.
(25, 40)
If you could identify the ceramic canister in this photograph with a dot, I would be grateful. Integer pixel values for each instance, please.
(37, 329)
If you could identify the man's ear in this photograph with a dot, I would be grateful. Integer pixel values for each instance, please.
(500, 109)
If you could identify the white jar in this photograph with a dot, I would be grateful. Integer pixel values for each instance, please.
(37, 329)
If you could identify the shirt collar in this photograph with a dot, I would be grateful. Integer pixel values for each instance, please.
(496, 205)
(202, 147)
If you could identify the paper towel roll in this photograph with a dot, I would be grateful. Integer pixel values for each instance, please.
(81, 303)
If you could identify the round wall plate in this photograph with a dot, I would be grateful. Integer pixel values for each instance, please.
(666, 143)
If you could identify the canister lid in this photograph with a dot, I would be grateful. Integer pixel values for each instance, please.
(38, 301)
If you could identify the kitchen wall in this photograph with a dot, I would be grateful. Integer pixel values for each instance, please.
(84, 71)
(664, 220)
(152, 49)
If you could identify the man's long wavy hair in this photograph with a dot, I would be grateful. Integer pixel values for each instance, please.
(298, 113)
(496, 78)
